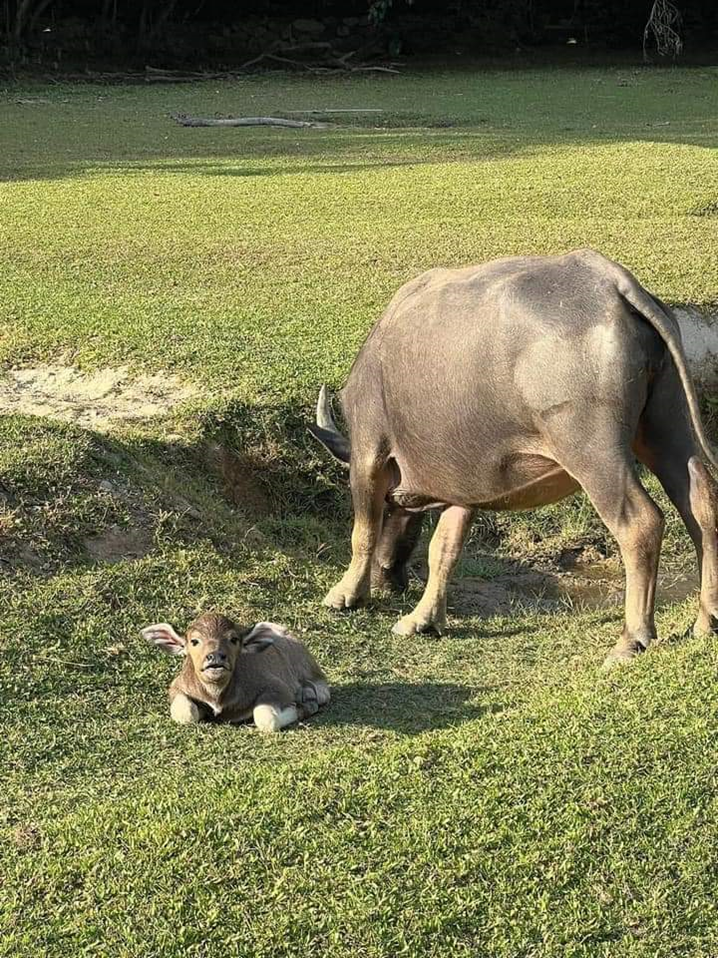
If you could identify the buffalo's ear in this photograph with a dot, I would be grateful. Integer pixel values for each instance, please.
(262, 636)
(164, 636)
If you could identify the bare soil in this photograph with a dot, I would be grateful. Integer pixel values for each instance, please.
(96, 400)
(590, 586)
(116, 544)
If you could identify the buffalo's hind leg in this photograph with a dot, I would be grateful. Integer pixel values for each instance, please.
(399, 536)
(637, 523)
(444, 551)
(370, 481)
(666, 445)
(606, 470)
(703, 507)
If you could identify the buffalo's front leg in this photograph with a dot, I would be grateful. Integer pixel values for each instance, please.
(444, 551)
(369, 482)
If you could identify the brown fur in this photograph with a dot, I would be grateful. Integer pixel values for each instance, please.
(229, 672)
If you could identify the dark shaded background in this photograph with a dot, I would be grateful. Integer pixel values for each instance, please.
(58, 34)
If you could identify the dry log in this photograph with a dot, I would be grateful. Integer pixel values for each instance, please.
(371, 69)
(331, 62)
(322, 112)
(185, 120)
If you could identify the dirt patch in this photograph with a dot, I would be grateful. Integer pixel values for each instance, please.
(699, 332)
(116, 544)
(15, 556)
(95, 400)
(591, 586)
(706, 209)
(238, 476)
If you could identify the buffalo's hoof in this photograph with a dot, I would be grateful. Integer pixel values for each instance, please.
(622, 654)
(389, 580)
(705, 624)
(342, 598)
(412, 623)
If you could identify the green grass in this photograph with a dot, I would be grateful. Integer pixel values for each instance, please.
(486, 793)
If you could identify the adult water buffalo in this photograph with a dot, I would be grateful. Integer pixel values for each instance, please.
(508, 386)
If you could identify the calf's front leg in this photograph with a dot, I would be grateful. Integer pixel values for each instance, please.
(184, 711)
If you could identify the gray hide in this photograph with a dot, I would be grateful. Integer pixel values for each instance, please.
(509, 386)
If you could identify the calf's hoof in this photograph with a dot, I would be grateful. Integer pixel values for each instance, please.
(316, 691)
(418, 621)
(308, 700)
(344, 597)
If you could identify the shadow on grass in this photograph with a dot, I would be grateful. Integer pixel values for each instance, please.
(464, 145)
(71, 497)
(511, 112)
(404, 707)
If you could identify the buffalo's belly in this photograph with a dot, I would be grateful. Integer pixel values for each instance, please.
(519, 482)
(542, 490)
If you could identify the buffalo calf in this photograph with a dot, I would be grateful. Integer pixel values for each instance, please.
(232, 674)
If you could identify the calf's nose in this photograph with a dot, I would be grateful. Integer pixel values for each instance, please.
(215, 658)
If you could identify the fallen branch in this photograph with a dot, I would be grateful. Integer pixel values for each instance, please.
(286, 60)
(272, 53)
(370, 69)
(149, 75)
(331, 62)
(185, 120)
(322, 112)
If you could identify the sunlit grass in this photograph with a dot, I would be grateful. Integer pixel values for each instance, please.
(486, 793)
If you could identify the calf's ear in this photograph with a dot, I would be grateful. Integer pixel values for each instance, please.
(164, 636)
(262, 636)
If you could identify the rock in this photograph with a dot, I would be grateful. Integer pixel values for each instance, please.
(699, 332)
(312, 27)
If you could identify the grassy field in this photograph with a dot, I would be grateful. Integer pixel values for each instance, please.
(489, 793)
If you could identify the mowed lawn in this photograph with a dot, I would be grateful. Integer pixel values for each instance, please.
(487, 793)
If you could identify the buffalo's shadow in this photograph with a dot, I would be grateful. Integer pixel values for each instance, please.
(403, 707)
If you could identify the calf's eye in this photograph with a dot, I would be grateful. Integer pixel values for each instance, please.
(194, 641)
(234, 639)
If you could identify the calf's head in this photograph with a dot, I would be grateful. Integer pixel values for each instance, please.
(213, 644)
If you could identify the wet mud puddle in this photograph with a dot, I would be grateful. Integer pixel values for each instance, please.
(586, 586)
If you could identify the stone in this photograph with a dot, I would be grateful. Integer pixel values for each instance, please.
(312, 27)
(699, 332)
